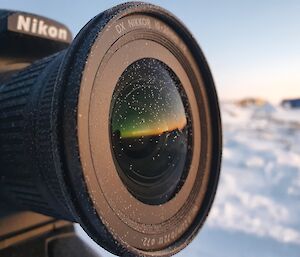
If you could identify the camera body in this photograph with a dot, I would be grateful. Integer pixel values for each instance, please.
(25, 38)
(118, 130)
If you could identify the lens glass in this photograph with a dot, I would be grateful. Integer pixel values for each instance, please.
(151, 131)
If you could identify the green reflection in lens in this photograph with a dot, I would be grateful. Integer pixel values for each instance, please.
(151, 131)
(145, 108)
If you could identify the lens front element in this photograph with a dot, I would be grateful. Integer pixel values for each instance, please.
(151, 132)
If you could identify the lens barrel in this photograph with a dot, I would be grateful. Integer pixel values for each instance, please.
(120, 132)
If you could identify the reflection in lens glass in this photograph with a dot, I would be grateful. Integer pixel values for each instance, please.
(151, 131)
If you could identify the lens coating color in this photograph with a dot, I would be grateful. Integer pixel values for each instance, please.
(151, 131)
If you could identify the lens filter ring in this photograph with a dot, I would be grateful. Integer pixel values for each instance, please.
(115, 217)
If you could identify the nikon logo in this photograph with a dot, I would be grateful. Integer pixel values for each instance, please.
(41, 27)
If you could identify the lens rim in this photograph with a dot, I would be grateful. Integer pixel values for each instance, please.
(102, 88)
(73, 80)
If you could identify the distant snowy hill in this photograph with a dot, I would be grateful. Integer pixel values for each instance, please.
(260, 185)
(257, 208)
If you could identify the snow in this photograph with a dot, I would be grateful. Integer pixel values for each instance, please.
(257, 207)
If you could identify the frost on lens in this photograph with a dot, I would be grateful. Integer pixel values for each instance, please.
(151, 128)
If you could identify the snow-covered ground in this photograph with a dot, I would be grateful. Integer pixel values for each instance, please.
(257, 207)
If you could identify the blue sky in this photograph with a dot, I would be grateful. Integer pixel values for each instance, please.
(253, 47)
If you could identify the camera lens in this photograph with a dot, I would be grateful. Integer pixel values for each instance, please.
(151, 131)
(120, 132)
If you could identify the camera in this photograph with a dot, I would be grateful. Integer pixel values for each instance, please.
(118, 130)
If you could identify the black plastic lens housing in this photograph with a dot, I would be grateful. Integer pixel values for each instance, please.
(120, 132)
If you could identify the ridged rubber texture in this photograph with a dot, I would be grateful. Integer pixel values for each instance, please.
(27, 171)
